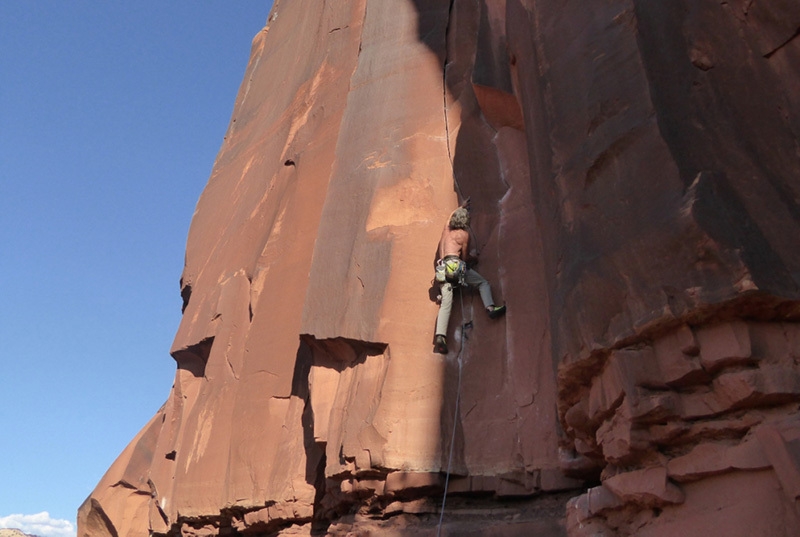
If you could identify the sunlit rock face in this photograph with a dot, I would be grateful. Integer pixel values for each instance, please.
(633, 169)
(12, 533)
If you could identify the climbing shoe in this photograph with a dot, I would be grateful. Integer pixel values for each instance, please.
(440, 345)
(496, 311)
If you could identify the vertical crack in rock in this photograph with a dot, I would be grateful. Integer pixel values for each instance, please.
(360, 44)
(444, 86)
(250, 296)
(154, 495)
(231, 367)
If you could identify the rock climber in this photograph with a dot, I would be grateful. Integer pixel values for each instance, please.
(452, 269)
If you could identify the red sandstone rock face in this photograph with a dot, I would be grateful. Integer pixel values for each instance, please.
(633, 173)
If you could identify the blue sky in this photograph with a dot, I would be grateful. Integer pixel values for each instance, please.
(111, 115)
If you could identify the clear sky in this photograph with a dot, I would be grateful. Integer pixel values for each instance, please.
(111, 115)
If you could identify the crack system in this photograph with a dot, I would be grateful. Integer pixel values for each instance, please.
(444, 90)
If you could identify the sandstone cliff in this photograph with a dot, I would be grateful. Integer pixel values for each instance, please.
(633, 168)
(13, 533)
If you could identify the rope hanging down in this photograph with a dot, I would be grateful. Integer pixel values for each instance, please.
(464, 326)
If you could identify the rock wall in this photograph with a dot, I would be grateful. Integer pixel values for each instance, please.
(632, 166)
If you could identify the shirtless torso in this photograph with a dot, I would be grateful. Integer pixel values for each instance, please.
(454, 242)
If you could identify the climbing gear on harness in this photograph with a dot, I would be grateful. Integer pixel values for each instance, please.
(441, 277)
(451, 269)
(440, 344)
(496, 311)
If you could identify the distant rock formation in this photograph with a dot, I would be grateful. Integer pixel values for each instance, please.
(13, 533)
(634, 170)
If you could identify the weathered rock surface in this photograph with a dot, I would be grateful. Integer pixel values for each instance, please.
(633, 167)
(13, 533)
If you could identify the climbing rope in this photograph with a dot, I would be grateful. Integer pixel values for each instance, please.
(464, 326)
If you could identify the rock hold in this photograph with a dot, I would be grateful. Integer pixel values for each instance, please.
(649, 487)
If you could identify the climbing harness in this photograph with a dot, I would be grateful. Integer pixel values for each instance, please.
(451, 269)
(464, 326)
